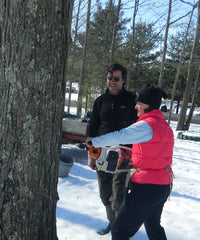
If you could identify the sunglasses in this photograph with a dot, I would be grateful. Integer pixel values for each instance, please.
(115, 79)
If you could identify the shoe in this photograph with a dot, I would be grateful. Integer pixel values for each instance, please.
(104, 231)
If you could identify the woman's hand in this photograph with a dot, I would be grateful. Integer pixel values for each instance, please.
(89, 142)
(91, 160)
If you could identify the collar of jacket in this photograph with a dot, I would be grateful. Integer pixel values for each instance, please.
(122, 91)
(154, 113)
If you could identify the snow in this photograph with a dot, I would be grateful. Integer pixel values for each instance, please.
(80, 212)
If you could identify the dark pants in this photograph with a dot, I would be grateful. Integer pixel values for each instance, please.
(112, 188)
(143, 204)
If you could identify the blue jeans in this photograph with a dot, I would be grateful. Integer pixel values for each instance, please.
(143, 204)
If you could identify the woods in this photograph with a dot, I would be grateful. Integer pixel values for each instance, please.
(145, 37)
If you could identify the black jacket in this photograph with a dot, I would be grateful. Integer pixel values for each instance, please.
(112, 112)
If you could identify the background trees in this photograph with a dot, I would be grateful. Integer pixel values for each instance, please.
(34, 41)
(133, 33)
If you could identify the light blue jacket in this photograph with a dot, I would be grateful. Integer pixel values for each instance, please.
(136, 133)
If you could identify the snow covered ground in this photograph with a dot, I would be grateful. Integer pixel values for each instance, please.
(80, 212)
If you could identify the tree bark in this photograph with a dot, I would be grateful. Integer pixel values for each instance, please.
(35, 39)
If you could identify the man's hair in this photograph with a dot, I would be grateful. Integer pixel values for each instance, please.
(116, 67)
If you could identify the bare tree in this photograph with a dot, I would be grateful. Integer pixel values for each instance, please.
(160, 81)
(130, 63)
(179, 67)
(194, 98)
(34, 44)
(190, 77)
(115, 32)
(71, 77)
(106, 47)
(81, 79)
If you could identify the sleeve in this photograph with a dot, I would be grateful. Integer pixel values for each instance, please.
(94, 123)
(136, 133)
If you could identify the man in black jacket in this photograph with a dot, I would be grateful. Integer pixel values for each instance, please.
(113, 110)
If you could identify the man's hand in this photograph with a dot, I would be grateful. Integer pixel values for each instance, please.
(91, 162)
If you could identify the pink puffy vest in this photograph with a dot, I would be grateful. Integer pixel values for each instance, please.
(153, 159)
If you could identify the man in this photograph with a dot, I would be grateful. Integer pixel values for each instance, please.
(151, 178)
(112, 111)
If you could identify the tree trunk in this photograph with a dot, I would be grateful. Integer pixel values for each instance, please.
(179, 68)
(115, 33)
(190, 76)
(160, 81)
(105, 63)
(130, 63)
(35, 38)
(71, 77)
(196, 87)
(81, 79)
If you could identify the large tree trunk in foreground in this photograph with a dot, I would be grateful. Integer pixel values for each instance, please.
(35, 38)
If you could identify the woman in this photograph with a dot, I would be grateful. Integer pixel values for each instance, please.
(150, 183)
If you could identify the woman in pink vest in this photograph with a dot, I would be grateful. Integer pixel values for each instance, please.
(151, 180)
